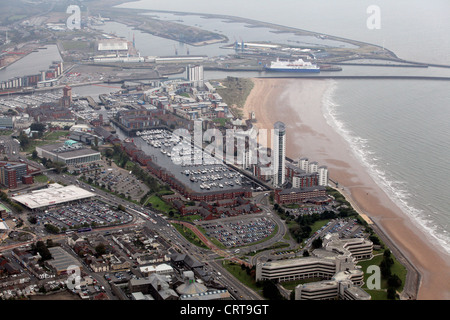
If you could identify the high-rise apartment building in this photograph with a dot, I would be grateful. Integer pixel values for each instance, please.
(323, 176)
(279, 154)
(194, 73)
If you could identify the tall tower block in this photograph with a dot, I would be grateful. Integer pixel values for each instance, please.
(279, 154)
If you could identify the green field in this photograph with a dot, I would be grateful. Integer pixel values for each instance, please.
(241, 275)
(235, 92)
(3, 207)
(41, 178)
(189, 235)
(48, 138)
(159, 204)
(397, 269)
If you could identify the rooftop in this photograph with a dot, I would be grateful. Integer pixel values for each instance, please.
(65, 151)
(61, 259)
(54, 194)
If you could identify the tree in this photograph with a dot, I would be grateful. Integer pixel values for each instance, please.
(43, 251)
(38, 127)
(270, 291)
(387, 253)
(317, 243)
(51, 228)
(24, 140)
(386, 263)
(374, 239)
(32, 220)
(50, 243)
(394, 281)
(100, 249)
(391, 293)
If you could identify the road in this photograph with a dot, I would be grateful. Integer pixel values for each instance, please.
(176, 241)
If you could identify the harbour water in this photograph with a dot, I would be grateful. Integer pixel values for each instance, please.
(32, 63)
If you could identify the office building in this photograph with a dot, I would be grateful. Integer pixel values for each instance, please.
(337, 255)
(330, 290)
(11, 174)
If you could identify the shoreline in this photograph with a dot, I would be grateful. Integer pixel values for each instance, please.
(298, 103)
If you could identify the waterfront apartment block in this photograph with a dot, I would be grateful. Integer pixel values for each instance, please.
(299, 195)
(44, 78)
(194, 73)
(303, 174)
(138, 119)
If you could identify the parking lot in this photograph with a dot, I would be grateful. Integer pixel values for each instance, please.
(119, 181)
(348, 229)
(89, 213)
(239, 232)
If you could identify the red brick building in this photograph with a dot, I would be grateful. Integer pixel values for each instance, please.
(295, 195)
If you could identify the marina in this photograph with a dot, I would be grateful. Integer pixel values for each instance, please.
(194, 167)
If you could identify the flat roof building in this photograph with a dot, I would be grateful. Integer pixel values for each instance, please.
(62, 260)
(295, 269)
(11, 174)
(112, 45)
(54, 194)
(69, 154)
(358, 248)
(335, 263)
(330, 290)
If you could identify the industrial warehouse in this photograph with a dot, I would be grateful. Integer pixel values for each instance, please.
(70, 153)
(53, 195)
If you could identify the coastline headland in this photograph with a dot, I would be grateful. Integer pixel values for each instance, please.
(298, 103)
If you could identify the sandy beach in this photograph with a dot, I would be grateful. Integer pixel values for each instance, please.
(298, 103)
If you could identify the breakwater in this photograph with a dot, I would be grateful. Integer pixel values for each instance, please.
(358, 77)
